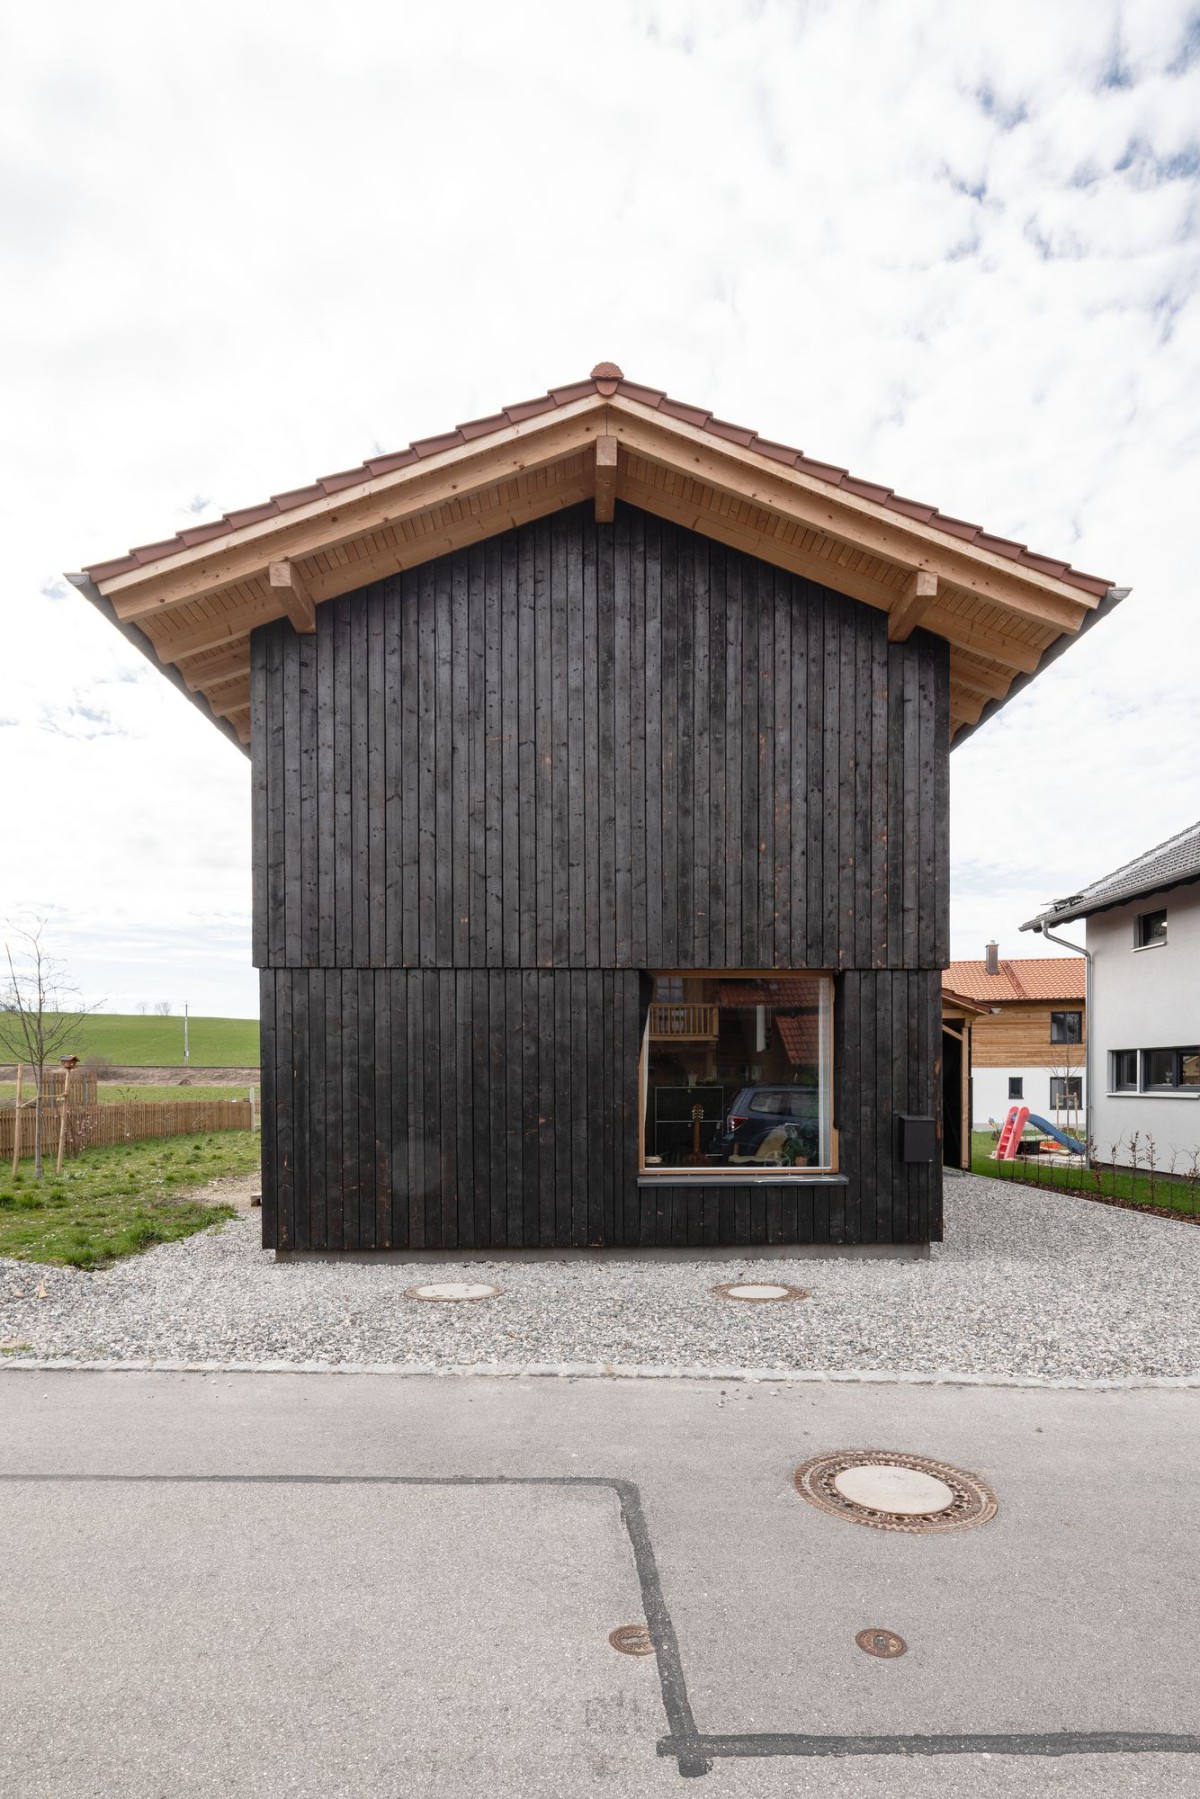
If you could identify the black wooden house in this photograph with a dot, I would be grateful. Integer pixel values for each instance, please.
(599, 754)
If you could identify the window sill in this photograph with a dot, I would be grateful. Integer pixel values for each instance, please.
(1139, 947)
(738, 1177)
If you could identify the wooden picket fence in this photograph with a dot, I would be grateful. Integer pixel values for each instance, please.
(91, 1127)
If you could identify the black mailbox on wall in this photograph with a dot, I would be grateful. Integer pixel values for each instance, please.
(918, 1138)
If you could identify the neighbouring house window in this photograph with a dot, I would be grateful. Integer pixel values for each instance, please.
(1066, 1027)
(1156, 1070)
(1151, 927)
(1066, 1092)
(1016, 1086)
(1170, 1070)
(737, 1074)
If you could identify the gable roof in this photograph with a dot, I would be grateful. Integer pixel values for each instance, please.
(190, 601)
(1168, 864)
(1028, 978)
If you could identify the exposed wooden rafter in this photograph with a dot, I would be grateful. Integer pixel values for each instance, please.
(906, 614)
(298, 603)
(606, 479)
(198, 601)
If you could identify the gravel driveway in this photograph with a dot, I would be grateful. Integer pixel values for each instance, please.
(1026, 1285)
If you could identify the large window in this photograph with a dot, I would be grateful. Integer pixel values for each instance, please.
(1156, 1070)
(737, 1075)
(1066, 1027)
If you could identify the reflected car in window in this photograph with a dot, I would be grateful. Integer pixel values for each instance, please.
(773, 1127)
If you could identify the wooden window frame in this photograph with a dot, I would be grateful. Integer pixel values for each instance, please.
(725, 1176)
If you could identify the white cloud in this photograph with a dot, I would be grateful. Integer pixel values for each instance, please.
(952, 247)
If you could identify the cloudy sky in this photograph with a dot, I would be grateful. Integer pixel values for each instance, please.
(952, 246)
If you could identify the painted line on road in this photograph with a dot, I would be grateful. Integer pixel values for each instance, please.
(693, 1751)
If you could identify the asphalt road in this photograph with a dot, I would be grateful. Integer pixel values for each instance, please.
(353, 1585)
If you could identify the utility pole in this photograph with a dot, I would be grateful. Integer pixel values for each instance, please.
(185, 1029)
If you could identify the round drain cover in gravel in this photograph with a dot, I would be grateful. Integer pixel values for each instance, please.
(631, 1639)
(453, 1290)
(760, 1292)
(883, 1643)
(888, 1491)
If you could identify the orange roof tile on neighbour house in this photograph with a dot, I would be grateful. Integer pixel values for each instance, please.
(1028, 978)
(193, 599)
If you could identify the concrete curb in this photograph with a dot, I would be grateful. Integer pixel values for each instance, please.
(625, 1371)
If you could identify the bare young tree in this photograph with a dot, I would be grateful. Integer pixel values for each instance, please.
(162, 1008)
(143, 1006)
(40, 1012)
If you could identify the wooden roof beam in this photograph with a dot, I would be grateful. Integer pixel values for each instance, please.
(905, 616)
(907, 543)
(964, 634)
(217, 668)
(234, 705)
(324, 523)
(287, 581)
(980, 679)
(606, 479)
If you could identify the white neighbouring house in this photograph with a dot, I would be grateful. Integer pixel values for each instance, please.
(1143, 935)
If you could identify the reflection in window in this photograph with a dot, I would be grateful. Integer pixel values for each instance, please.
(1165, 1070)
(738, 1073)
(1066, 1027)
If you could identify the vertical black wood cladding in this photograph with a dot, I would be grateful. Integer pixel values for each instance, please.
(490, 790)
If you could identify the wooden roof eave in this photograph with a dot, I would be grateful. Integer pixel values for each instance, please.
(140, 642)
(744, 474)
(193, 610)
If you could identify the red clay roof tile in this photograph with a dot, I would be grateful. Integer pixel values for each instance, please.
(433, 446)
(679, 409)
(737, 434)
(606, 379)
(1023, 979)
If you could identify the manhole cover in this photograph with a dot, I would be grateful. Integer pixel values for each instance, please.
(631, 1639)
(883, 1643)
(453, 1290)
(889, 1491)
(759, 1292)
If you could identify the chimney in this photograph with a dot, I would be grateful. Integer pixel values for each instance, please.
(991, 958)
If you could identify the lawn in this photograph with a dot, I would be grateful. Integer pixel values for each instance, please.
(115, 1202)
(1140, 1189)
(112, 1093)
(136, 1041)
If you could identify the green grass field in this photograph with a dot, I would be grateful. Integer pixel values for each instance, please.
(1159, 1191)
(115, 1202)
(133, 1041)
(115, 1093)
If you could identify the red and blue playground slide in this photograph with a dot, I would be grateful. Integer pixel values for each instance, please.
(1014, 1124)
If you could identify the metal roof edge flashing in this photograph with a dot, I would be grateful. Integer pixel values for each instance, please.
(1111, 600)
(87, 587)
